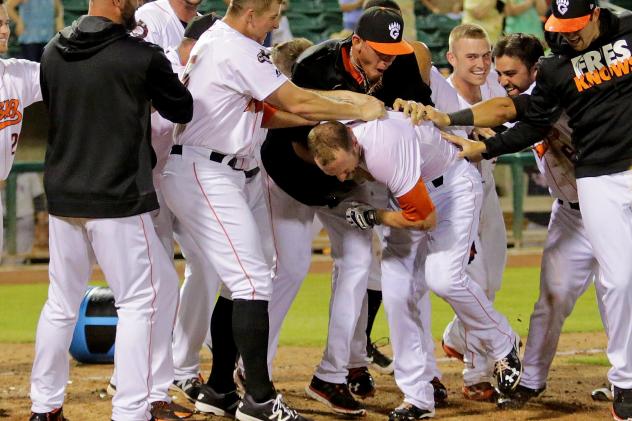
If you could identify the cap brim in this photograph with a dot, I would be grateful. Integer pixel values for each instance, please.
(392, 48)
(554, 24)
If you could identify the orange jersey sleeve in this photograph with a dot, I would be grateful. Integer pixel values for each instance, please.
(268, 112)
(416, 204)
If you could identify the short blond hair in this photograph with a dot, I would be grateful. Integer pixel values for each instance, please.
(467, 31)
(285, 54)
(237, 7)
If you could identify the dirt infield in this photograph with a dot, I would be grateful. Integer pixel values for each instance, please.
(567, 396)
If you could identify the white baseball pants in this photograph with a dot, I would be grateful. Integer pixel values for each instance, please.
(351, 250)
(486, 270)
(197, 295)
(606, 206)
(136, 267)
(568, 268)
(414, 261)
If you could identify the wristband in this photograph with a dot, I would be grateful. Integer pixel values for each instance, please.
(462, 118)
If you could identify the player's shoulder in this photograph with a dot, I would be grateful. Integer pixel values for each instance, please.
(18, 68)
(158, 10)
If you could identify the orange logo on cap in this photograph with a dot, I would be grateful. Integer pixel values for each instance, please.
(10, 114)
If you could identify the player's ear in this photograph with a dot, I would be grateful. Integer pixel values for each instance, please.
(451, 58)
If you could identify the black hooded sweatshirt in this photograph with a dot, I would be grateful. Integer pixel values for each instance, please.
(594, 87)
(99, 84)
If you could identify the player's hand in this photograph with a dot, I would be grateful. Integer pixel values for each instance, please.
(361, 215)
(414, 110)
(430, 222)
(372, 109)
(439, 118)
(470, 149)
(484, 132)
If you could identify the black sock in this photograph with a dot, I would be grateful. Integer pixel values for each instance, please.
(251, 330)
(375, 299)
(224, 349)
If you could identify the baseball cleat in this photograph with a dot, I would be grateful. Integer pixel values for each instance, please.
(518, 398)
(54, 415)
(451, 352)
(334, 395)
(379, 362)
(169, 411)
(602, 394)
(361, 383)
(440, 392)
(508, 371)
(408, 412)
(621, 404)
(222, 404)
(480, 392)
(188, 387)
(274, 409)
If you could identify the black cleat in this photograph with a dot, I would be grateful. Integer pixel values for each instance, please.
(518, 397)
(622, 404)
(361, 382)
(54, 415)
(379, 362)
(440, 392)
(408, 412)
(222, 404)
(274, 409)
(334, 395)
(188, 387)
(508, 371)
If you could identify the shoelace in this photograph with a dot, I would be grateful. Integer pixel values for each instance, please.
(280, 408)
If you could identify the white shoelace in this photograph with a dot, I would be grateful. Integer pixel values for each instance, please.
(280, 409)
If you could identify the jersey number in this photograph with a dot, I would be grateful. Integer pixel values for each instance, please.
(14, 142)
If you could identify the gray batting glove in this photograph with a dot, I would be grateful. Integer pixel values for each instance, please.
(362, 215)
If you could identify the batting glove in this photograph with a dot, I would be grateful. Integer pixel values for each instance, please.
(362, 215)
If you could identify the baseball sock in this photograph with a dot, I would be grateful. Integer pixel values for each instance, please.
(375, 300)
(250, 330)
(224, 349)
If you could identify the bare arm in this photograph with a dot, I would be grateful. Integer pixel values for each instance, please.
(515, 9)
(59, 15)
(424, 60)
(349, 7)
(282, 119)
(14, 16)
(313, 106)
(481, 10)
(490, 113)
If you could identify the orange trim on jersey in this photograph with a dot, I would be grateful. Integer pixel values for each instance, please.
(416, 204)
(268, 112)
(541, 149)
(350, 68)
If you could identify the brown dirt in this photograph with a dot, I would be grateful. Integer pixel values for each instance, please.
(567, 396)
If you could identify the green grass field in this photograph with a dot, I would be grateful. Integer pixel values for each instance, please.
(307, 323)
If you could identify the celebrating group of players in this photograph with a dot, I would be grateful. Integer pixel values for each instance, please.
(241, 201)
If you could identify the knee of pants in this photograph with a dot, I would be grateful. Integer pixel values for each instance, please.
(442, 286)
(292, 273)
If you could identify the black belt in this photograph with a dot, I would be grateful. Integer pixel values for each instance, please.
(572, 205)
(437, 182)
(219, 157)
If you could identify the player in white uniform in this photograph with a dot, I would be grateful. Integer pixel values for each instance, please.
(568, 262)
(230, 75)
(421, 173)
(470, 55)
(20, 88)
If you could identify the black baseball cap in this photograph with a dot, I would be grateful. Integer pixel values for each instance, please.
(383, 30)
(199, 25)
(570, 15)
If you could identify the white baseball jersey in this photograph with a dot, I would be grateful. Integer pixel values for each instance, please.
(397, 153)
(20, 88)
(158, 23)
(229, 76)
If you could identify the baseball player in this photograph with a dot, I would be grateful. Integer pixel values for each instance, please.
(470, 56)
(20, 88)
(592, 42)
(568, 262)
(203, 184)
(161, 22)
(108, 219)
(427, 180)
